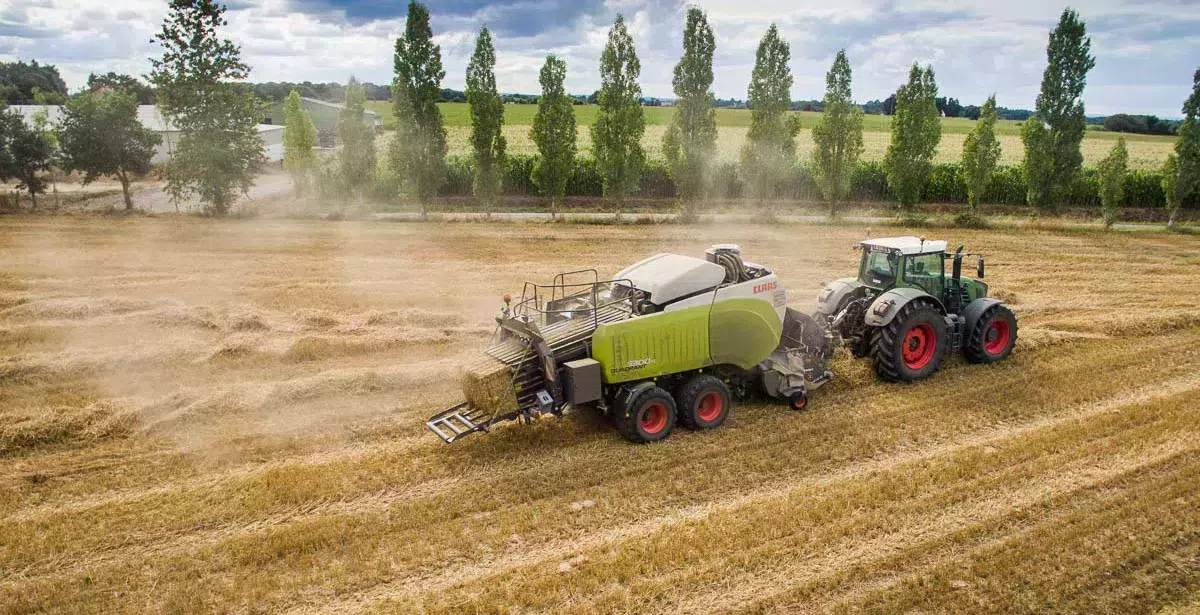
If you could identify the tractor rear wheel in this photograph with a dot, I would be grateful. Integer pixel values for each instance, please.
(703, 402)
(647, 417)
(911, 346)
(993, 337)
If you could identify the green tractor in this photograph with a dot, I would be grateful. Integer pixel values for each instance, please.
(906, 311)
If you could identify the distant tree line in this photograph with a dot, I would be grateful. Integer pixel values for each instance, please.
(1141, 124)
(31, 84)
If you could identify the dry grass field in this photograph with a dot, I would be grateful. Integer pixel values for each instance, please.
(1145, 151)
(227, 416)
(1143, 154)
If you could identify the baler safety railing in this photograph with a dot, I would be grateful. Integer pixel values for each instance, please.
(570, 300)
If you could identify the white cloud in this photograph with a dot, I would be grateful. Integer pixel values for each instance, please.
(976, 47)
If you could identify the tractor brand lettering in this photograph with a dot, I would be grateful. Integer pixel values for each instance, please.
(762, 288)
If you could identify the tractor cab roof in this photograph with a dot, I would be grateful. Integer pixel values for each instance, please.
(907, 245)
(667, 277)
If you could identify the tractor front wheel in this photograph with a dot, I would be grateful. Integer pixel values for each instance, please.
(647, 417)
(993, 337)
(911, 346)
(703, 402)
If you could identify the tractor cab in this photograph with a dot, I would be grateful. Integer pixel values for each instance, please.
(917, 263)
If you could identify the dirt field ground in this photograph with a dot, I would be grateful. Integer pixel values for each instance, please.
(227, 416)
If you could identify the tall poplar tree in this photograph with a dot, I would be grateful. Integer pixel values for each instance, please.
(916, 131)
(299, 139)
(770, 149)
(1112, 182)
(617, 132)
(219, 146)
(690, 140)
(1187, 151)
(981, 151)
(1053, 134)
(487, 121)
(358, 141)
(838, 135)
(418, 150)
(553, 132)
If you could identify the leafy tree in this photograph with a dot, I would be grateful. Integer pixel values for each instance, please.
(20, 83)
(770, 148)
(43, 97)
(554, 133)
(27, 154)
(981, 151)
(299, 139)
(117, 81)
(418, 150)
(916, 130)
(690, 141)
(219, 145)
(1053, 134)
(100, 135)
(487, 120)
(837, 135)
(1112, 182)
(358, 141)
(1187, 147)
(617, 132)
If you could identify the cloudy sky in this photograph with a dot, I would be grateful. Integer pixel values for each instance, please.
(1146, 50)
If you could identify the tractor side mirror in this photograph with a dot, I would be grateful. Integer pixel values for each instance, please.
(979, 265)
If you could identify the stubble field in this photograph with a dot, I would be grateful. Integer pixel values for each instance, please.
(227, 416)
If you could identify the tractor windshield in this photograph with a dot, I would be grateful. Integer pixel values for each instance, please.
(878, 268)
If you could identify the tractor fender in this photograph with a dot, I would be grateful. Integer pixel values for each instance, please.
(885, 307)
(628, 392)
(974, 310)
(831, 296)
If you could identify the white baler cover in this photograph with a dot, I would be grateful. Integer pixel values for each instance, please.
(670, 276)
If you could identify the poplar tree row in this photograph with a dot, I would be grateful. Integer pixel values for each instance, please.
(1052, 137)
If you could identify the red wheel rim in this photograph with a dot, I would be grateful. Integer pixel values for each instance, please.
(919, 344)
(654, 418)
(995, 339)
(711, 406)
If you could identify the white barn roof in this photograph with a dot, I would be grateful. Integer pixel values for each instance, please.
(147, 115)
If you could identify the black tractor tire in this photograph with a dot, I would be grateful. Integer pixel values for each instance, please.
(911, 346)
(993, 337)
(703, 402)
(798, 401)
(648, 417)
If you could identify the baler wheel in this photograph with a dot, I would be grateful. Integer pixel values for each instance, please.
(648, 417)
(704, 402)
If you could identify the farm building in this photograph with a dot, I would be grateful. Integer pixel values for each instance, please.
(150, 117)
(324, 115)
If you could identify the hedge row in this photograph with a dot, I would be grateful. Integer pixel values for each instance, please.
(868, 183)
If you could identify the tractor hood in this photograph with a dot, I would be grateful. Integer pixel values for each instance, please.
(667, 277)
